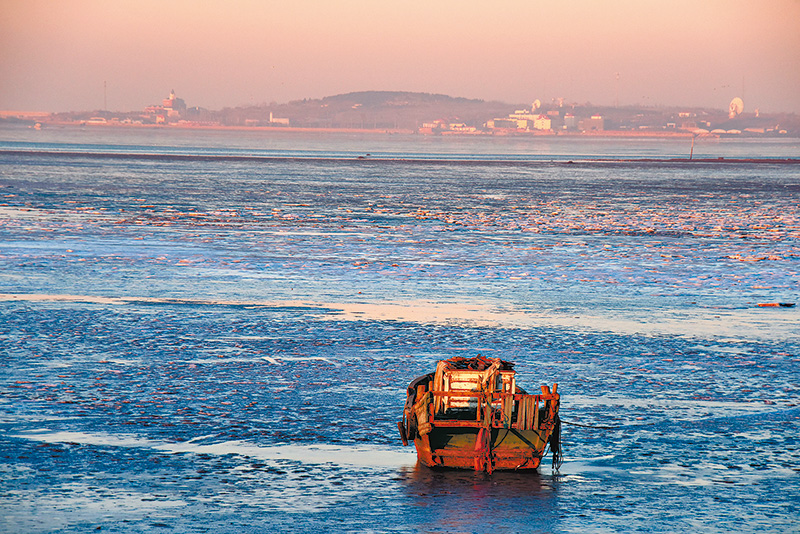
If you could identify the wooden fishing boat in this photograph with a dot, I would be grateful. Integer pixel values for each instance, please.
(470, 414)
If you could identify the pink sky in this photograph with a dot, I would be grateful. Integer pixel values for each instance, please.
(57, 55)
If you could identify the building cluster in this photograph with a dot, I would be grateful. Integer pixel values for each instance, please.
(169, 110)
(521, 120)
(173, 110)
(441, 126)
(533, 120)
(271, 121)
(630, 120)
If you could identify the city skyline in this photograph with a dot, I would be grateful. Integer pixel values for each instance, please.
(81, 55)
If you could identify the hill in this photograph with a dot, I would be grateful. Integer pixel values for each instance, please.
(374, 109)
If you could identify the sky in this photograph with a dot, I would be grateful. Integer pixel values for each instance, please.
(121, 55)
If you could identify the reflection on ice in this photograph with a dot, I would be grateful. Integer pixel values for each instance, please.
(456, 501)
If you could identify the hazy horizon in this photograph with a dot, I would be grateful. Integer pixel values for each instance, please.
(125, 55)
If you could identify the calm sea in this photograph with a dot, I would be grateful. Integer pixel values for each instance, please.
(212, 331)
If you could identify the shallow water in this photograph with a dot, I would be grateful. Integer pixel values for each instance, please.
(223, 346)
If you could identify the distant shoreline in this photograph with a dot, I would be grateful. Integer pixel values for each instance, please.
(381, 131)
(383, 159)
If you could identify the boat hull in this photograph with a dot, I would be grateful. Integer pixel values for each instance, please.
(465, 448)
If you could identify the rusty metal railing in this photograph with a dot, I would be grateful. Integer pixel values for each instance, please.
(493, 409)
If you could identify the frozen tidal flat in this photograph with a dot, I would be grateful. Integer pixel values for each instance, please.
(201, 346)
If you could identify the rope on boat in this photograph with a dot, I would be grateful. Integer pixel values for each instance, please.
(555, 445)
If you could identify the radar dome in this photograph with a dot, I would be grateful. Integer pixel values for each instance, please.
(735, 108)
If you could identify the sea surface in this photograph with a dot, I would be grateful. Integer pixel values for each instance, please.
(212, 331)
